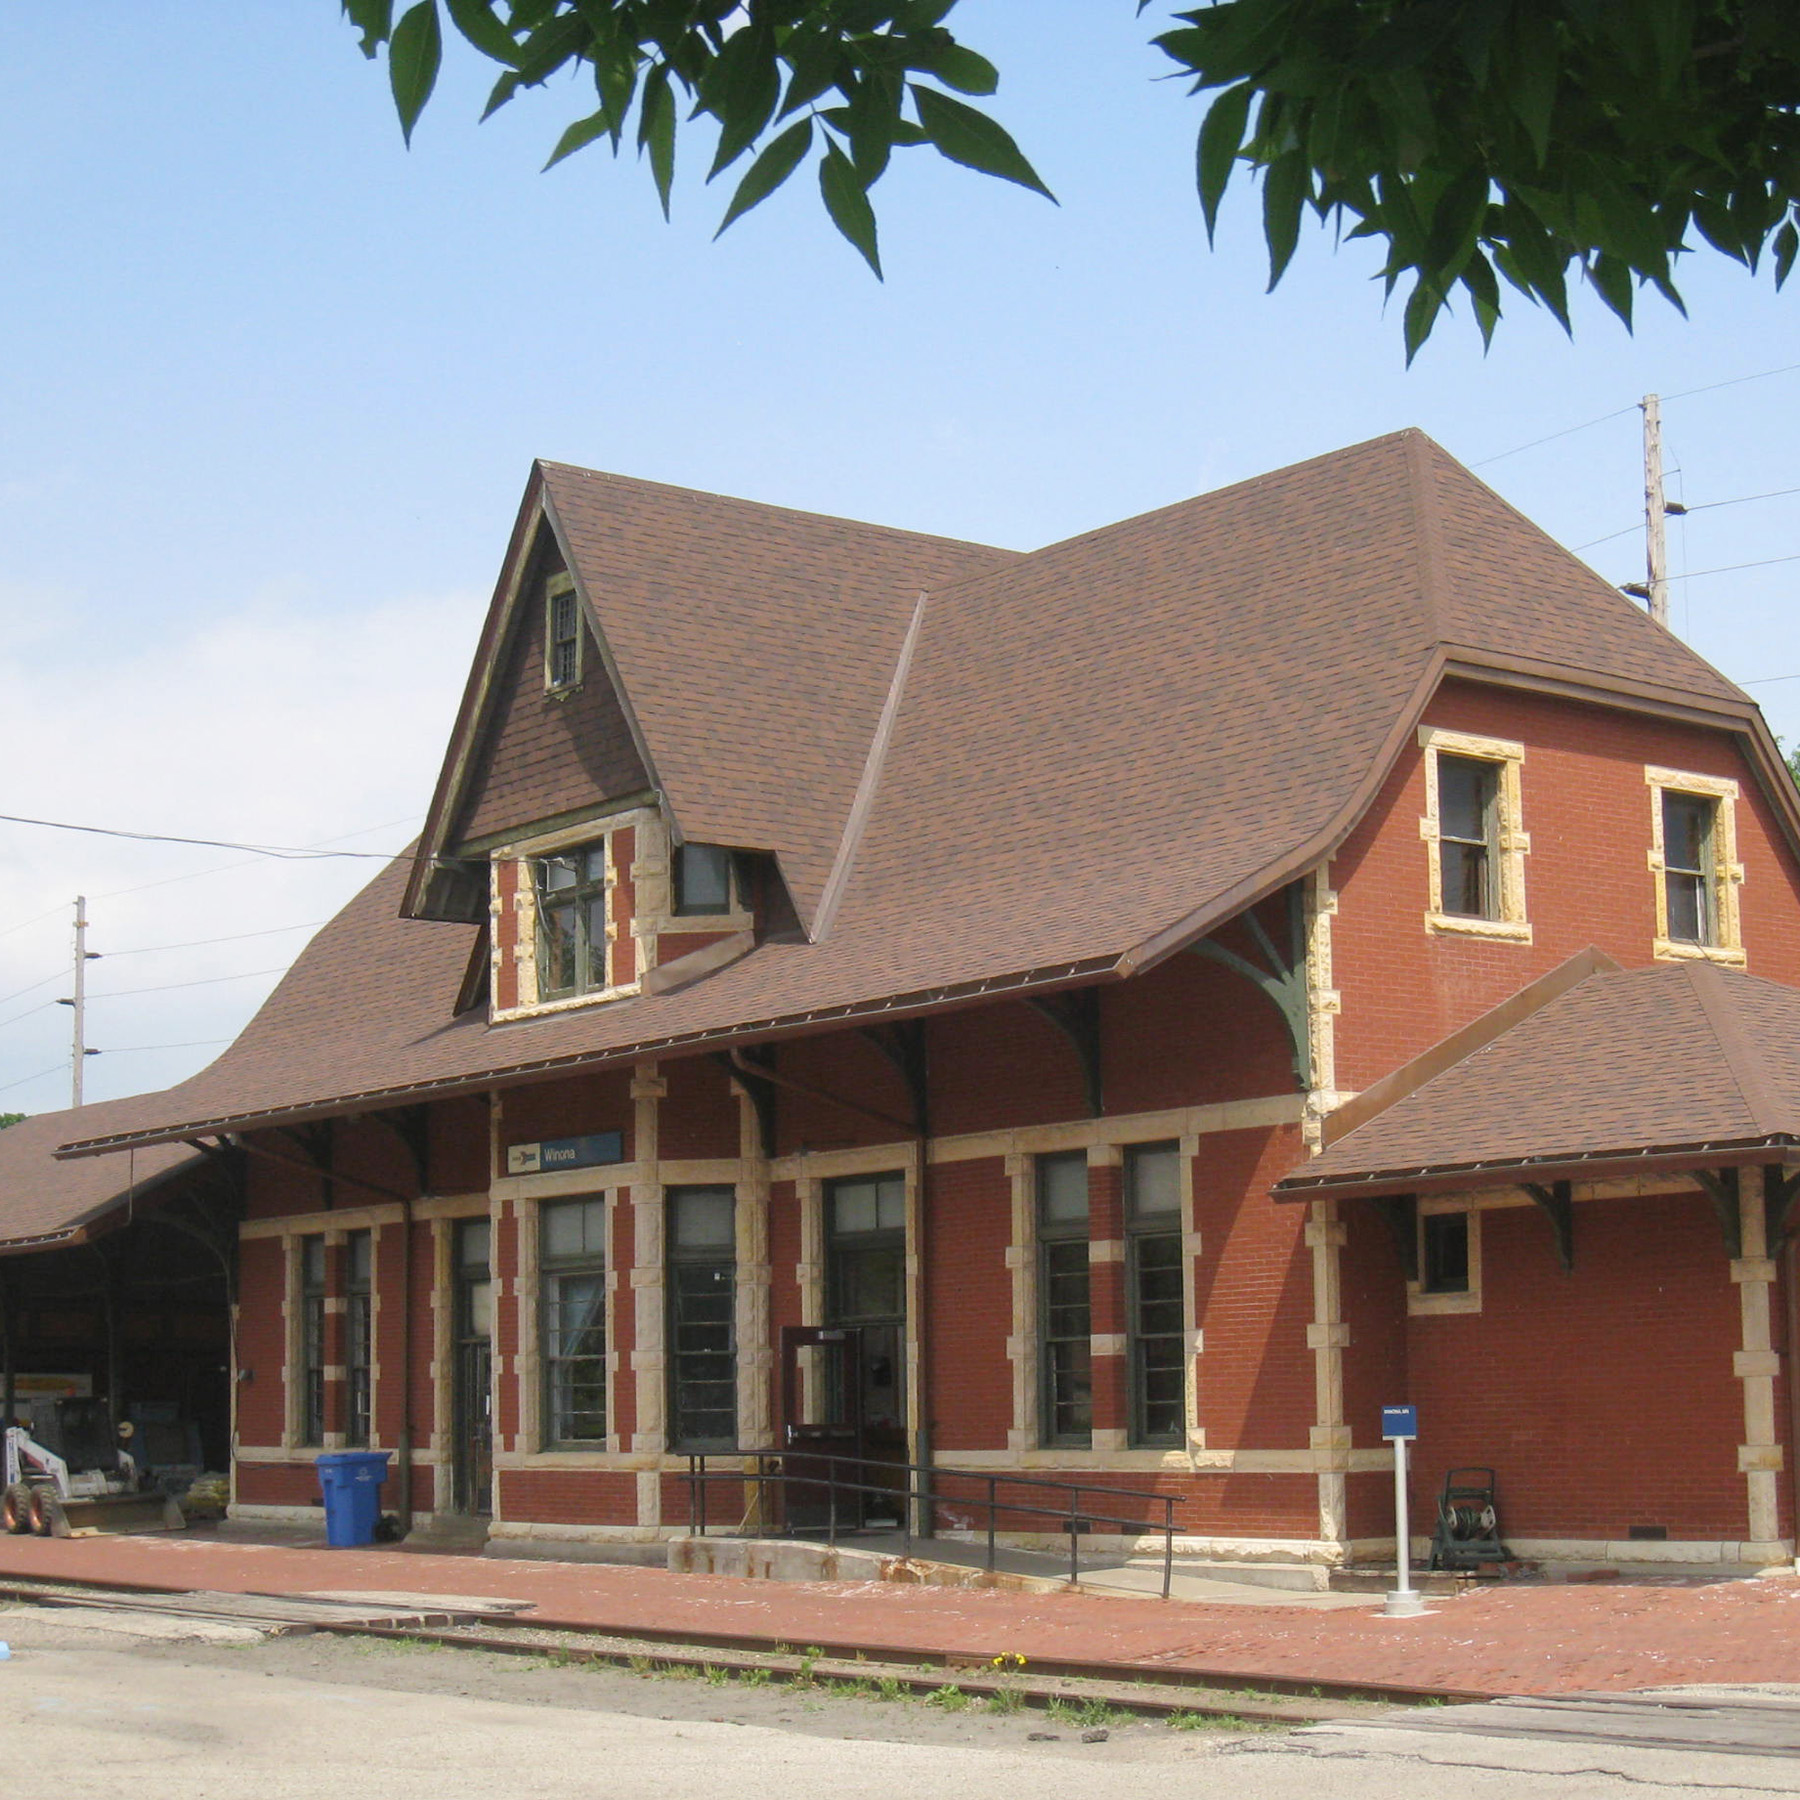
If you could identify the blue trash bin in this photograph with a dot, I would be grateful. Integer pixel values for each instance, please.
(351, 1482)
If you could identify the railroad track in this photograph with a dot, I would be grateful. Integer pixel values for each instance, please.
(1252, 1696)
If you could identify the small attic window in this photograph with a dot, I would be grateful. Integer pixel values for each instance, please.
(702, 879)
(562, 634)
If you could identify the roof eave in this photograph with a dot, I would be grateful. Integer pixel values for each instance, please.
(1596, 1165)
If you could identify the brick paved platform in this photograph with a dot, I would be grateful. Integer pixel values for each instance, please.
(1555, 1638)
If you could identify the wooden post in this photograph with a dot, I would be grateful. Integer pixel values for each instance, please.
(1656, 568)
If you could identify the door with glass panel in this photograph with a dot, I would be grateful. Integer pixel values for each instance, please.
(472, 1397)
(865, 1288)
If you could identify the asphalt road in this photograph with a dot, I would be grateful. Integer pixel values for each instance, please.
(91, 1712)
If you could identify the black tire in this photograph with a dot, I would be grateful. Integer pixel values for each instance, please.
(15, 1509)
(46, 1512)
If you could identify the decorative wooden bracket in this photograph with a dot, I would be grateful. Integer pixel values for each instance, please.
(1779, 1191)
(903, 1044)
(1558, 1205)
(1077, 1016)
(1401, 1211)
(1722, 1188)
(762, 1093)
(412, 1126)
(317, 1142)
(1283, 982)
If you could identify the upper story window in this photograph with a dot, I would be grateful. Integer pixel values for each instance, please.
(702, 879)
(571, 921)
(562, 634)
(1475, 844)
(1693, 859)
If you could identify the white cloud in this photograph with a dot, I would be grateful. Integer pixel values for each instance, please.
(285, 724)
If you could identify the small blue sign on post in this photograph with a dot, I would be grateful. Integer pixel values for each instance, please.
(1399, 1421)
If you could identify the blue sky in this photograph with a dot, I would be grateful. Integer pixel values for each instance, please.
(271, 386)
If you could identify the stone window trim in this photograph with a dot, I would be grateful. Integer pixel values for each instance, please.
(1727, 871)
(650, 855)
(1512, 843)
(565, 632)
(1419, 1303)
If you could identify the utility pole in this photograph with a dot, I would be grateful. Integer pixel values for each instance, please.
(1655, 591)
(83, 956)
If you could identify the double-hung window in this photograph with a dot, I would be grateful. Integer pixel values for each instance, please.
(312, 1340)
(1688, 866)
(572, 1321)
(571, 921)
(1467, 794)
(1693, 856)
(1155, 1308)
(359, 1321)
(562, 634)
(702, 1237)
(1474, 835)
(1066, 1320)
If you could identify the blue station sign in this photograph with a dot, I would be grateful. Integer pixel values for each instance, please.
(1399, 1421)
(591, 1152)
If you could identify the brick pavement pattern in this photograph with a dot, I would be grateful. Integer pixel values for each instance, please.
(1553, 1638)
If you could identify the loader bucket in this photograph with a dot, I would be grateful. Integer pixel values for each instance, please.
(103, 1514)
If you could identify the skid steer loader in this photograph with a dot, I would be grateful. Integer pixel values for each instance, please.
(71, 1474)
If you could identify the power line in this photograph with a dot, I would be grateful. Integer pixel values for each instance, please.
(55, 1068)
(1730, 568)
(1766, 680)
(144, 887)
(42, 1006)
(287, 852)
(31, 987)
(1519, 449)
(35, 919)
(1586, 424)
(1621, 532)
(1743, 499)
(135, 1049)
(202, 943)
(168, 987)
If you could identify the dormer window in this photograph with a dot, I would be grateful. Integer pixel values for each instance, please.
(571, 921)
(562, 634)
(702, 879)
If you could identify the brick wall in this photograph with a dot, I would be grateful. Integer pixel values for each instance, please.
(969, 1290)
(568, 1496)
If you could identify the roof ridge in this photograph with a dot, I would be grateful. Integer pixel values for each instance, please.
(1741, 1063)
(856, 820)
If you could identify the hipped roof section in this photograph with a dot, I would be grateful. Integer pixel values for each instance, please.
(1102, 749)
(1685, 1063)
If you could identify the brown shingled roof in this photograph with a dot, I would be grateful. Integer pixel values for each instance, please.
(1681, 1060)
(44, 1202)
(1101, 750)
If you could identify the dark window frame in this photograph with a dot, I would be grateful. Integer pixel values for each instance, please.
(1692, 886)
(557, 1365)
(1459, 853)
(1154, 1249)
(313, 1285)
(695, 1275)
(1065, 1355)
(578, 899)
(359, 1338)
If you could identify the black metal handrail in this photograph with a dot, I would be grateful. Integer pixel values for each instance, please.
(1076, 1519)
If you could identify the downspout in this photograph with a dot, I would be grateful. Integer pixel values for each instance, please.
(1793, 1386)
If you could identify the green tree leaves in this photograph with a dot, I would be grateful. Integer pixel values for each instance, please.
(1491, 144)
(1519, 141)
(856, 72)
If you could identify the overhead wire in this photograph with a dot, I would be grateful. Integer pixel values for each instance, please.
(253, 862)
(31, 987)
(285, 852)
(168, 987)
(55, 1068)
(203, 943)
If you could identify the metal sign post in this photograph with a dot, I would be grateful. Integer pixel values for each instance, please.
(1400, 1425)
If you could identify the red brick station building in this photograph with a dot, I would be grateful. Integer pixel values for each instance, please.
(1124, 1012)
